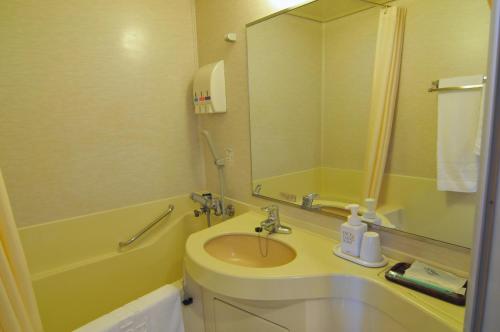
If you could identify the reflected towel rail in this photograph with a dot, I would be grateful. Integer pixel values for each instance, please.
(435, 86)
(147, 228)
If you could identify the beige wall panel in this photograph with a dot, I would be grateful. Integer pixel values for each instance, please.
(285, 61)
(95, 106)
(349, 58)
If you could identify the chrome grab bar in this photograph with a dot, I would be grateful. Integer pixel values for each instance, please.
(147, 228)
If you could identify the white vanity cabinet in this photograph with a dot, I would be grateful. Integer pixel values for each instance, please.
(224, 314)
(314, 292)
(212, 312)
(228, 318)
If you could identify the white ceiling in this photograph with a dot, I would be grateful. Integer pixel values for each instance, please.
(327, 10)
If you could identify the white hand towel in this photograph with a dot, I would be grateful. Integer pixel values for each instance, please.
(158, 311)
(479, 130)
(458, 114)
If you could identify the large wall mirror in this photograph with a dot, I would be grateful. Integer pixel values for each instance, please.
(357, 101)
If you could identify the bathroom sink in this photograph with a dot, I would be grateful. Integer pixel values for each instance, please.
(226, 261)
(250, 250)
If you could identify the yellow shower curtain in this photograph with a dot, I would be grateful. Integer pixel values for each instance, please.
(18, 308)
(384, 95)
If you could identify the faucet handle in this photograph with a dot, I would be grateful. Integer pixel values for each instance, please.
(311, 196)
(272, 210)
(308, 200)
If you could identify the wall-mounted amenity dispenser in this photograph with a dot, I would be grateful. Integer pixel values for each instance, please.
(209, 89)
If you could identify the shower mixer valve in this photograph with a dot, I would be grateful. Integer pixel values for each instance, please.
(208, 203)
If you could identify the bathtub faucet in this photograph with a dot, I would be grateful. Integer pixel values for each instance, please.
(308, 202)
(208, 203)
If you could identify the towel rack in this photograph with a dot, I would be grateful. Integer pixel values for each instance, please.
(435, 86)
(147, 228)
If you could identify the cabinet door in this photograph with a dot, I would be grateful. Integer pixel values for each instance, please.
(229, 318)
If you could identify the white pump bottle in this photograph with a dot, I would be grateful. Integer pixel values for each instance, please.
(351, 232)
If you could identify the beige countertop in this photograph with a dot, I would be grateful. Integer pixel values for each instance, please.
(314, 273)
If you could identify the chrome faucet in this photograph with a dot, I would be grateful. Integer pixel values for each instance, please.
(308, 202)
(257, 189)
(208, 203)
(272, 223)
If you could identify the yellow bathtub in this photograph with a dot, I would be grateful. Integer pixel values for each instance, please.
(80, 274)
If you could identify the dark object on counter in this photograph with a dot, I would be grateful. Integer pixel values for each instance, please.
(396, 274)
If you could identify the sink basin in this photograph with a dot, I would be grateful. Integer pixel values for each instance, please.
(250, 250)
